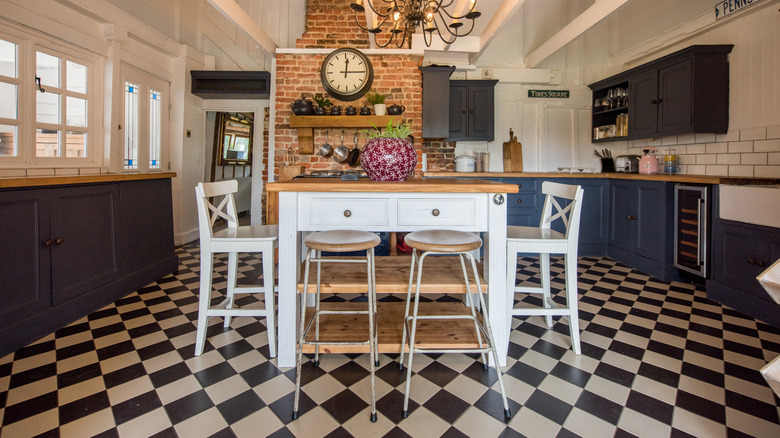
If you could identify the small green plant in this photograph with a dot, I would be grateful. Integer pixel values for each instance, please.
(399, 130)
(374, 98)
(322, 101)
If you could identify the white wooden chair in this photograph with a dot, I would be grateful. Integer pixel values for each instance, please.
(545, 241)
(233, 240)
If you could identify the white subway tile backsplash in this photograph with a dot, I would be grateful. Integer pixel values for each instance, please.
(754, 159)
(728, 159)
(706, 159)
(705, 138)
(687, 159)
(729, 136)
(766, 171)
(696, 149)
(669, 141)
(753, 134)
(773, 132)
(773, 158)
(696, 170)
(717, 148)
(767, 145)
(741, 171)
(40, 172)
(717, 170)
(9, 173)
(686, 139)
(740, 147)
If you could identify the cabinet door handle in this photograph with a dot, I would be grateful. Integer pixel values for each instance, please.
(519, 201)
(347, 213)
(760, 263)
(58, 241)
(435, 212)
(751, 262)
(631, 217)
(47, 242)
(471, 111)
(464, 111)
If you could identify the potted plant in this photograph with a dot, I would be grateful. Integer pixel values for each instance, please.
(378, 100)
(322, 104)
(389, 154)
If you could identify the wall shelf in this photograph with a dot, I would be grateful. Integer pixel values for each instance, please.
(307, 124)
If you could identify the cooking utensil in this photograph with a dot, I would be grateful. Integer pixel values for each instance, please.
(513, 154)
(325, 150)
(341, 153)
(648, 163)
(354, 155)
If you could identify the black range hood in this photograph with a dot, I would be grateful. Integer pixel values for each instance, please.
(210, 84)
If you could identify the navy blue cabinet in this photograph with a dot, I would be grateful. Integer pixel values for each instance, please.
(70, 250)
(594, 223)
(641, 226)
(740, 252)
(471, 111)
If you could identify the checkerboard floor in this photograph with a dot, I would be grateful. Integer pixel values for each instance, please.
(657, 360)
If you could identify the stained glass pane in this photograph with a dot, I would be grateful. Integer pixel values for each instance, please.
(155, 129)
(7, 59)
(8, 147)
(8, 100)
(47, 143)
(76, 77)
(131, 126)
(77, 112)
(76, 144)
(48, 69)
(47, 107)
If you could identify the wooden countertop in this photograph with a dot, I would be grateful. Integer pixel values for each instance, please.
(39, 181)
(416, 185)
(701, 179)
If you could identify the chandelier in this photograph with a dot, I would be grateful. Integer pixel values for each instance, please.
(407, 15)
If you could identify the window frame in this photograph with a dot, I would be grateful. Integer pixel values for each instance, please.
(28, 44)
(146, 82)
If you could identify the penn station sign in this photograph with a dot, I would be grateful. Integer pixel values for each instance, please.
(726, 8)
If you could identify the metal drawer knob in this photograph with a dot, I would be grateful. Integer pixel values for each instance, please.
(347, 213)
(435, 212)
(519, 201)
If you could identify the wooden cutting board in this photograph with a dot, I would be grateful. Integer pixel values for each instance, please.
(287, 173)
(513, 154)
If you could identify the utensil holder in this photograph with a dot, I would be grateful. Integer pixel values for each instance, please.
(607, 165)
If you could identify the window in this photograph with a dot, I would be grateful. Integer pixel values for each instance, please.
(57, 85)
(145, 120)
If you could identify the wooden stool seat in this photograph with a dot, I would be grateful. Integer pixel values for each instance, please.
(447, 241)
(341, 240)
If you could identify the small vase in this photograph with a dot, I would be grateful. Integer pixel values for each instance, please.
(388, 159)
(380, 109)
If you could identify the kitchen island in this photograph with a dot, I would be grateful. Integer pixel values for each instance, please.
(472, 205)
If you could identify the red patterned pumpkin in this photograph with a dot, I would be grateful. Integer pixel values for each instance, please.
(388, 159)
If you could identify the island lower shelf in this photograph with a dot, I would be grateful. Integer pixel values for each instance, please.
(441, 275)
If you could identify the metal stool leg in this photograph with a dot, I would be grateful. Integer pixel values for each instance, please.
(372, 335)
(472, 305)
(406, 311)
(413, 331)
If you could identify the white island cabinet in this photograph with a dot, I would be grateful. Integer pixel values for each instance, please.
(309, 205)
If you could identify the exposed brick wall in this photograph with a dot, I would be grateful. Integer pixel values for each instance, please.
(330, 25)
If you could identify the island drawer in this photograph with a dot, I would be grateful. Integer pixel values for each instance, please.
(430, 211)
(339, 212)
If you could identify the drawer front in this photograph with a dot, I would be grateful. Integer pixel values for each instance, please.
(523, 200)
(437, 212)
(345, 213)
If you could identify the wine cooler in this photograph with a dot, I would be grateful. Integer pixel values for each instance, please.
(691, 229)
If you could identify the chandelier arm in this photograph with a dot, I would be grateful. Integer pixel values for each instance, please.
(455, 34)
(371, 29)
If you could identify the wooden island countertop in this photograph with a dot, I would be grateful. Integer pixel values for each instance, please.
(418, 185)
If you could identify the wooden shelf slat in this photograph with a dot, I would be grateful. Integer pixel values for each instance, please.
(356, 121)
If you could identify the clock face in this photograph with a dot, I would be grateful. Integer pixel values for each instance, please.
(347, 74)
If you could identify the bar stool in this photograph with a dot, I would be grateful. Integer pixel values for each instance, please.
(337, 241)
(233, 240)
(562, 202)
(447, 242)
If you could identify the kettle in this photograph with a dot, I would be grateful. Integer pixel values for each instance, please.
(648, 163)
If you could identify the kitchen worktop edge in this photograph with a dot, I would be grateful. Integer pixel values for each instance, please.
(683, 178)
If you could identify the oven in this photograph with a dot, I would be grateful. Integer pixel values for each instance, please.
(691, 229)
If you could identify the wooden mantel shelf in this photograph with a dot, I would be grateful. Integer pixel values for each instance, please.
(307, 124)
(357, 121)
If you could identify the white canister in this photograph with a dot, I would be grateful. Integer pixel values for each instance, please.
(464, 163)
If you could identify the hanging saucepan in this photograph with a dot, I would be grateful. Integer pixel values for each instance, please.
(354, 155)
(341, 153)
(325, 150)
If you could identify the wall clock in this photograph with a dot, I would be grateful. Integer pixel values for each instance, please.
(347, 74)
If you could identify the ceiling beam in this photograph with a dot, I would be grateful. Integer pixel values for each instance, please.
(233, 12)
(497, 21)
(600, 10)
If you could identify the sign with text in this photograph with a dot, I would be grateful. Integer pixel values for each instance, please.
(558, 94)
(727, 7)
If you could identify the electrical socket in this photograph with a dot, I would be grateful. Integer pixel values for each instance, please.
(487, 73)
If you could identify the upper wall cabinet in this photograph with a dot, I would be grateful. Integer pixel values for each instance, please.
(682, 93)
(471, 110)
(435, 97)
